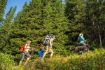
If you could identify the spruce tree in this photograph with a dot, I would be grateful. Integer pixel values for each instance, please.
(75, 13)
(94, 21)
(2, 7)
(5, 31)
(55, 22)
(102, 21)
(86, 16)
(37, 19)
(28, 24)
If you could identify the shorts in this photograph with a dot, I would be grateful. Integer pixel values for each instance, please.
(25, 54)
(41, 52)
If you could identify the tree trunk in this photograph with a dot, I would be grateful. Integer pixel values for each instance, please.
(100, 37)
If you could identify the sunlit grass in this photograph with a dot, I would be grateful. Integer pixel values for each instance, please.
(91, 60)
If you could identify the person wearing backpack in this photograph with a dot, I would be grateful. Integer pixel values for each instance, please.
(40, 53)
(83, 46)
(49, 43)
(81, 39)
(25, 52)
(46, 41)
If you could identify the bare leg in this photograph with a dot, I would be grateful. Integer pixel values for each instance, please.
(23, 56)
(26, 61)
(45, 52)
(28, 57)
(51, 50)
(20, 62)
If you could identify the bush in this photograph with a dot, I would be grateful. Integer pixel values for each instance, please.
(88, 61)
(6, 62)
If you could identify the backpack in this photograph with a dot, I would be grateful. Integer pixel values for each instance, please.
(41, 52)
(22, 48)
(46, 42)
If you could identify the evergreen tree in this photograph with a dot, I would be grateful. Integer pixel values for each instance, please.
(2, 6)
(102, 21)
(5, 31)
(94, 21)
(28, 24)
(75, 13)
(86, 16)
(36, 20)
(55, 22)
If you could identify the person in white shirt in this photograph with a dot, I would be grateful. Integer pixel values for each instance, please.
(26, 52)
(49, 45)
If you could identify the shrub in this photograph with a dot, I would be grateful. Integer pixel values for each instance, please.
(92, 60)
(6, 62)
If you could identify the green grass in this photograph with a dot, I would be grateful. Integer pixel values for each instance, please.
(6, 62)
(94, 60)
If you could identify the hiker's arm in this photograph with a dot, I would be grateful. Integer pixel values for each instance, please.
(26, 47)
(83, 38)
(51, 42)
(31, 48)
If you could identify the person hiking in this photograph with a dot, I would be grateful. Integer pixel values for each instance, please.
(81, 39)
(40, 54)
(25, 53)
(48, 42)
(82, 44)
